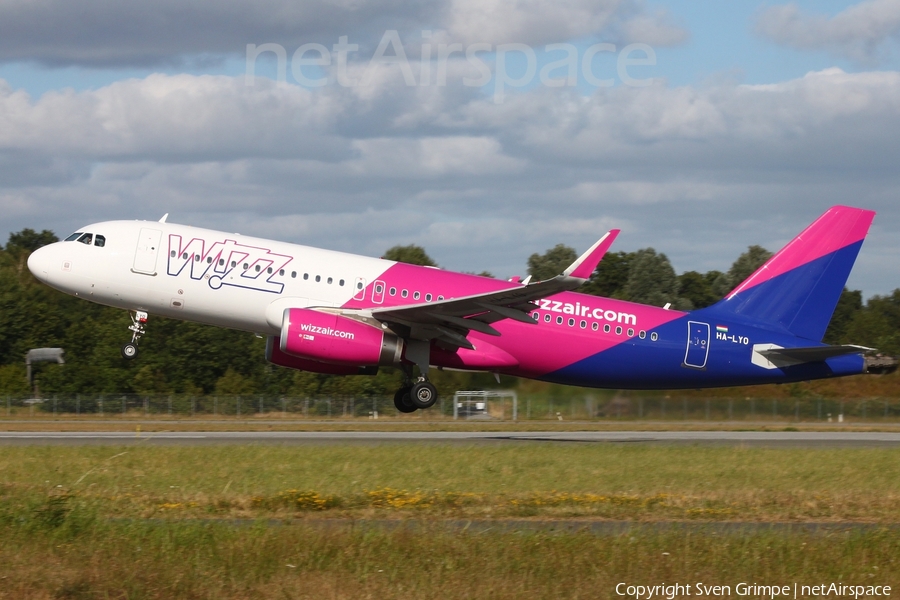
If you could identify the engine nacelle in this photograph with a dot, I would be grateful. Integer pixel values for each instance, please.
(331, 338)
(275, 356)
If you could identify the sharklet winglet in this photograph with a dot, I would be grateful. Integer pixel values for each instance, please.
(584, 267)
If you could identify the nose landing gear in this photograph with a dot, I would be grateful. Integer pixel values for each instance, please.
(138, 320)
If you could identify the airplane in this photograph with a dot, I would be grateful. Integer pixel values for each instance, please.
(337, 313)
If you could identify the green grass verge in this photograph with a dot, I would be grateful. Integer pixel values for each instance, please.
(158, 521)
(414, 480)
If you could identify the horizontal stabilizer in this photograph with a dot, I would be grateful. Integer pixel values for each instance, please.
(814, 353)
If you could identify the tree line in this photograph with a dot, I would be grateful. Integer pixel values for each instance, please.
(187, 358)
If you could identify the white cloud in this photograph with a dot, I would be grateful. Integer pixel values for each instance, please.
(859, 32)
(656, 28)
(481, 185)
(111, 33)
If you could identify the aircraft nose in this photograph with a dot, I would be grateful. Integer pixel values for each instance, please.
(39, 263)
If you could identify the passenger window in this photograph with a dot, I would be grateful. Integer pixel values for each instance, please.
(209, 260)
(221, 262)
(87, 238)
(415, 295)
(393, 291)
(305, 276)
(606, 328)
(583, 324)
(330, 280)
(281, 272)
(427, 297)
(559, 320)
(404, 293)
(341, 282)
(318, 278)
(172, 254)
(269, 270)
(642, 334)
(619, 330)
(293, 274)
(99, 241)
(547, 318)
(654, 336)
(595, 326)
(630, 332)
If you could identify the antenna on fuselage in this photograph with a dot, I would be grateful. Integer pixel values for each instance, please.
(164, 217)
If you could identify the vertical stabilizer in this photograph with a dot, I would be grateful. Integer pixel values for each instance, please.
(799, 287)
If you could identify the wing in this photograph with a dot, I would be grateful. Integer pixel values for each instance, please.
(451, 320)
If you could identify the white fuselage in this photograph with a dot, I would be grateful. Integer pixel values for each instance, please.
(189, 273)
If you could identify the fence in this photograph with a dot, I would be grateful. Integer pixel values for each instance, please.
(586, 408)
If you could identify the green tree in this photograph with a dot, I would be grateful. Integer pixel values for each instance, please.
(551, 263)
(611, 275)
(878, 324)
(848, 305)
(233, 383)
(652, 280)
(411, 254)
(745, 265)
(29, 240)
(696, 288)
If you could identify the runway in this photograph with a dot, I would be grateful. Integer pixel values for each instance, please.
(749, 438)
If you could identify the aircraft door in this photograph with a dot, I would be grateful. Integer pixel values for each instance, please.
(147, 251)
(697, 345)
(359, 289)
(378, 292)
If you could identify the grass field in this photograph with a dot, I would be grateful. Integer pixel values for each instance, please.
(159, 522)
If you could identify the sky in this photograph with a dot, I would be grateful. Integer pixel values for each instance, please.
(483, 130)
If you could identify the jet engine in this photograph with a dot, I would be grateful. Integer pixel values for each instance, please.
(337, 340)
(275, 356)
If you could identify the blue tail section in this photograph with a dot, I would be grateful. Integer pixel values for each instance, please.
(797, 290)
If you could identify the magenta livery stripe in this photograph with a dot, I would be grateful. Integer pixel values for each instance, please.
(541, 348)
(547, 347)
(838, 228)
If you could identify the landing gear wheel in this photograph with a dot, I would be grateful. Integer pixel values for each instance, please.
(402, 401)
(423, 394)
(129, 350)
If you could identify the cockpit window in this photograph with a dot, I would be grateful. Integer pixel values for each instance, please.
(99, 240)
(86, 238)
(73, 237)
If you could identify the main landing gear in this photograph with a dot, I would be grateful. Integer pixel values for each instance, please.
(138, 320)
(413, 396)
(419, 393)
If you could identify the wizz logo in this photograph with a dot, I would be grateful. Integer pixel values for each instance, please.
(227, 263)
